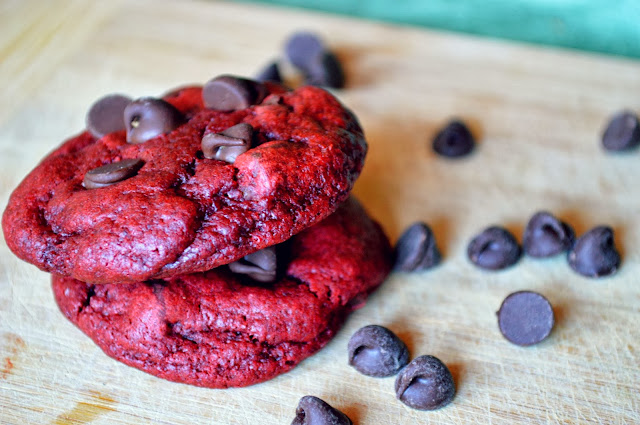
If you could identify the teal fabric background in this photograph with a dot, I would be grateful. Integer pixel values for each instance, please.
(606, 26)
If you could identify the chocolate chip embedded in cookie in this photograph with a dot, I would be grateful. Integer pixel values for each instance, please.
(184, 211)
(216, 329)
(229, 93)
(228, 144)
(147, 118)
(112, 173)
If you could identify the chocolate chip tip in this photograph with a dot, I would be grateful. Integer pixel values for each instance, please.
(546, 236)
(495, 248)
(594, 254)
(416, 249)
(312, 410)
(271, 72)
(106, 115)
(622, 132)
(454, 140)
(376, 351)
(426, 383)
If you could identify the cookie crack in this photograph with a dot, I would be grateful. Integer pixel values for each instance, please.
(91, 292)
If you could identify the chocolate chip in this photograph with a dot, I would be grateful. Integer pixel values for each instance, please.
(227, 145)
(416, 249)
(270, 73)
(425, 384)
(454, 140)
(594, 253)
(376, 351)
(314, 411)
(494, 249)
(106, 115)
(260, 265)
(622, 132)
(229, 93)
(525, 318)
(325, 71)
(303, 48)
(148, 117)
(112, 173)
(546, 236)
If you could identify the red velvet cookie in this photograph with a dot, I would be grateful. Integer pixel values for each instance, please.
(168, 203)
(216, 329)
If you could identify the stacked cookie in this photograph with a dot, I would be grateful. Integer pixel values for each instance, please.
(205, 237)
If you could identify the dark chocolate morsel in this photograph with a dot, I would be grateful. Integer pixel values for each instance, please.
(425, 384)
(271, 72)
(260, 265)
(148, 117)
(303, 48)
(416, 249)
(325, 71)
(546, 236)
(594, 254)
(229, 93)
(376, 351)
(494, 249)
(454, 140)
(106, 115)
(525, 318)
(227, 145)
(314, 411)
(622, 132)
(112, 173)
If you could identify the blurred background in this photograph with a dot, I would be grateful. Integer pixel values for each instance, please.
(605, 26)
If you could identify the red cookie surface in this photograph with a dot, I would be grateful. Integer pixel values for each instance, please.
(217, 330)
(183, 213)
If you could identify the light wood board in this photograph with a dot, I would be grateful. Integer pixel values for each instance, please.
(538, 114)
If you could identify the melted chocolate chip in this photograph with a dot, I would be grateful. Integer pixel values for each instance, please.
(416, 249)
(260, 265)
(454, 140)
(425, 384)
(594, 253)
(376, 351)
(546, 236)
(622, 132)
(112, 173)
(303, 48)
(227, 145)
(270, 73)
(229, 93)
(326, 71)
(149, 117)
(314, 411)
(525, 318)
(106, 115)
(494, 249)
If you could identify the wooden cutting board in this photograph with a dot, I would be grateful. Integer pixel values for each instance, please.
(538, 114)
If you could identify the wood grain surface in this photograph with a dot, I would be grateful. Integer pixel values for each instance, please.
(538, 115)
